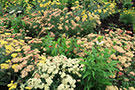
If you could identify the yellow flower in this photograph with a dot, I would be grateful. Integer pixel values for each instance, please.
(104, 11)
(84, 16)
(28, 87)
(8, 47)
(7, 34)
(42, 58)
(22, 41)
(76, 2)
(42, 11)
(98, 6)
(10, 39)
(7, 52)
(18, 49)
(41, 5)
(15, 41)
(95, 10)
(12, 85)
(57, 3)
(14, 55)
(83, 12)
(14, 66)
(4, 66)
(42, 61)
(8, 61)
(99, 10)
(26, 1)
(1, 31)
(4, 42)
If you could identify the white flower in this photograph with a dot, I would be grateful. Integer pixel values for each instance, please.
(44, 75)
(99, 43)
(63, 74)
(55, 72)
(49, 81)
(19, 11)
(50, 69)
(46, 87)
(34, 82)
(61, 87)
(12, 12)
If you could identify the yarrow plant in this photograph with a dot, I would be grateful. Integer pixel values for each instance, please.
(57, 73)
(18, 57)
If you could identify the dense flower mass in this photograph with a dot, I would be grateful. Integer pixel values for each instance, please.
(67, 44)
(55, 66)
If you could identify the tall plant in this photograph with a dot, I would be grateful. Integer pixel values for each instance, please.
(97, 69)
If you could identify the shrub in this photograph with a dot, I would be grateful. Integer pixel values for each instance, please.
(61, 21)
(127, 4)
(127, 17)
(99, 7)
(17, 6)
(71, 23)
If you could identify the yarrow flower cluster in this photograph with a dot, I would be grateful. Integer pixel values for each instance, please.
(58, 69)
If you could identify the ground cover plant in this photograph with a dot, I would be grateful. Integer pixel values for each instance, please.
(67, 45)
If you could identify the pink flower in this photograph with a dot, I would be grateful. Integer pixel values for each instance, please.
(120, 31)
(30, 52)
(119, 49)
(50, 46)
(128, 32)
(32, 41)
(13, 36)
(120, 73)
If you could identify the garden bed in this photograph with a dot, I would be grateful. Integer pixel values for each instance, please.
(67, 45)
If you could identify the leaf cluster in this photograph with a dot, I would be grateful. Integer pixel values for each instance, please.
(97, 69)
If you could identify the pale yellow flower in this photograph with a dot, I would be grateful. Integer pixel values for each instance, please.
(77, 18)
(60, 27)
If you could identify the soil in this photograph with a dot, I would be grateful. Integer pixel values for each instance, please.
(3, 88)
(114, 19)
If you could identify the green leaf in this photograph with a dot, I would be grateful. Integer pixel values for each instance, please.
(85, 63)
(86, 74)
